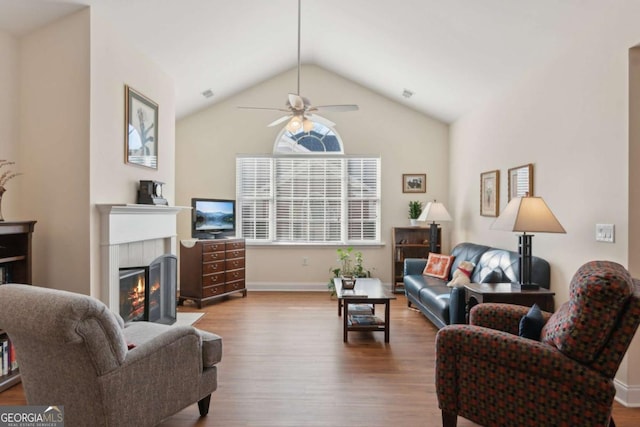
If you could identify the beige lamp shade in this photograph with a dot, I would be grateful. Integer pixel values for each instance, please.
(528, 214)
(434, 211)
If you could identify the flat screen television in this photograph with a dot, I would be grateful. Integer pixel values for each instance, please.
(213, 218)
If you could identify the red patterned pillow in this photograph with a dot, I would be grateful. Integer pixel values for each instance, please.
(438, 266)
(582, 325)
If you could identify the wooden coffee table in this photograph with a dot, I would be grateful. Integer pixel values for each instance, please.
(367, 291)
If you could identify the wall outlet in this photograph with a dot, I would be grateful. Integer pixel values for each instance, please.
(605, 233)
(305, 261)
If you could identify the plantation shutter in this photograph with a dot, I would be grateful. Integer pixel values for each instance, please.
(254, 186)
(310, 199)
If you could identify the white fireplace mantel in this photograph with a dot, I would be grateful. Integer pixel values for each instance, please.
(130, 235)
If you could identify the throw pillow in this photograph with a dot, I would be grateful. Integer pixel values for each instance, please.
(438, 266)
(531, 323)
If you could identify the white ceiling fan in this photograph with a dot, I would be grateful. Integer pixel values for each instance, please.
(300, 113)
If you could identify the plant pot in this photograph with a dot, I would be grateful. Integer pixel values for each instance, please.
(348, 282)
(413, 222)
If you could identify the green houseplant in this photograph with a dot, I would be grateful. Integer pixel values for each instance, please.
(351, 264)
(415, 209)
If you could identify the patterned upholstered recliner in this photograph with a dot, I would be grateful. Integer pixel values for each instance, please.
(486, 373)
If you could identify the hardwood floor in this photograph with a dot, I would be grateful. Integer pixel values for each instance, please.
(284, 364)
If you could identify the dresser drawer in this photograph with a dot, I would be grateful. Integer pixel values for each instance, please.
(234, 264)
(233, 275)
(213, 279)
(212, 256)
(234, 253)
(212, 290)
(234, 286)
(235, 245)
(212, 246)
(213, 267)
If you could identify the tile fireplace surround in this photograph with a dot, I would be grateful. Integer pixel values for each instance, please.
(131, 236)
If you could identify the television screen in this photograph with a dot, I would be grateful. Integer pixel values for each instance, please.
(213, 216)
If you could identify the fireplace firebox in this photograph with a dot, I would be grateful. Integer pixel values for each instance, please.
(149, 292)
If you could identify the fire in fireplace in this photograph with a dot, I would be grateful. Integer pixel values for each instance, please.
(149, 292)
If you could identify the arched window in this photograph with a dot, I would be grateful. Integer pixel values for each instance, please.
(320, 139)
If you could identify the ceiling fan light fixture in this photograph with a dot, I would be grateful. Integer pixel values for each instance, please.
(294, 124)
(307, 125)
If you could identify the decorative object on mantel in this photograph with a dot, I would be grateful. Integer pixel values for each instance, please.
(141, 129)
(150, 193)
(527, 214)
(414, 183)
(434, 211)
(4, 178)
(415, 210)
(489, 193)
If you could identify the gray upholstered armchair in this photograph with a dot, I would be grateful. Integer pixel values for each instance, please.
(73, 351)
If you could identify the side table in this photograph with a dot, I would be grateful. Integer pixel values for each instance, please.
(508, 293)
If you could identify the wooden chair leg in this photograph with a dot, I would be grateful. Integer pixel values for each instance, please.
(449, 419)
(203, 405)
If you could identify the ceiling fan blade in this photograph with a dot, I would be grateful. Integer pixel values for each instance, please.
(321, 120)
(265, 108)
(296, 102)
(278, 121)
(335, 108)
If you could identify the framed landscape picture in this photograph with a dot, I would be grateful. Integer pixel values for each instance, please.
(414, 183)
(489, 193)
(141, 129)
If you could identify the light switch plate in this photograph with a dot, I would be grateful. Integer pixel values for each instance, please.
(605, 233)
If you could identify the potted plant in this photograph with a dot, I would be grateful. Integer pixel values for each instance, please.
(351, 266)
(415, 209)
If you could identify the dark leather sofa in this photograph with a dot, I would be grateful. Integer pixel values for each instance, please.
(444, 305)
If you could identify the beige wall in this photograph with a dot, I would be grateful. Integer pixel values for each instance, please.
(114, 63)
(54, 149)
(71, 126)
(407, 141)
(8, 122)
(569, 118)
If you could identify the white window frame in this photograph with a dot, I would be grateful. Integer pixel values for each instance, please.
(359, 210)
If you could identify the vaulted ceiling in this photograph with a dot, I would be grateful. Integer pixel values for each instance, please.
(453, 55)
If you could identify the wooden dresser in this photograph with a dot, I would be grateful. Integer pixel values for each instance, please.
(211, 269)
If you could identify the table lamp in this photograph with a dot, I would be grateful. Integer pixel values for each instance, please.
(528, 215)
(433, 212)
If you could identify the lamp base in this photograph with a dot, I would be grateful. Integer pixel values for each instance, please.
(529, 286)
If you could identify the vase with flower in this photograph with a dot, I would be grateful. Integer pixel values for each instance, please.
(4, 178)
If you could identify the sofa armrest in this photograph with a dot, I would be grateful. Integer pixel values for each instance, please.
(414, 266)
(457, 306)
(501, 317)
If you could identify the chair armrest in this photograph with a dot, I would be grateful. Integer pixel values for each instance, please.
(163, 342)
(414, 266)
(502, 317)
(462, 350)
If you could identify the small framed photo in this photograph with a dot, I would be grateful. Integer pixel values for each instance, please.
(414, 183)
(489, 193)
(141, 129)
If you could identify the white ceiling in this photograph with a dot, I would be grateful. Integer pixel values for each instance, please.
(453, 54)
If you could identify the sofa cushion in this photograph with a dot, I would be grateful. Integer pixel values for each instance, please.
(497, 266)
(438, 266)
(597, 295)
(467, 252)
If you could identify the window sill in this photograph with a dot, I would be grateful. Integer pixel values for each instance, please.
(315, 245)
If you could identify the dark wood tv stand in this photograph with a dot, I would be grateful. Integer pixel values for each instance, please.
(211, 269)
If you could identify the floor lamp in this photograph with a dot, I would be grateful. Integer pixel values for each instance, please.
(433, 212)
(527, 215)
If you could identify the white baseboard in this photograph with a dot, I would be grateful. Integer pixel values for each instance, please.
(293, 286)
(628, 396)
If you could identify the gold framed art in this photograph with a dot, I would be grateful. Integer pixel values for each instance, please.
(521, 181)
(489, 193)
(141, 129)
